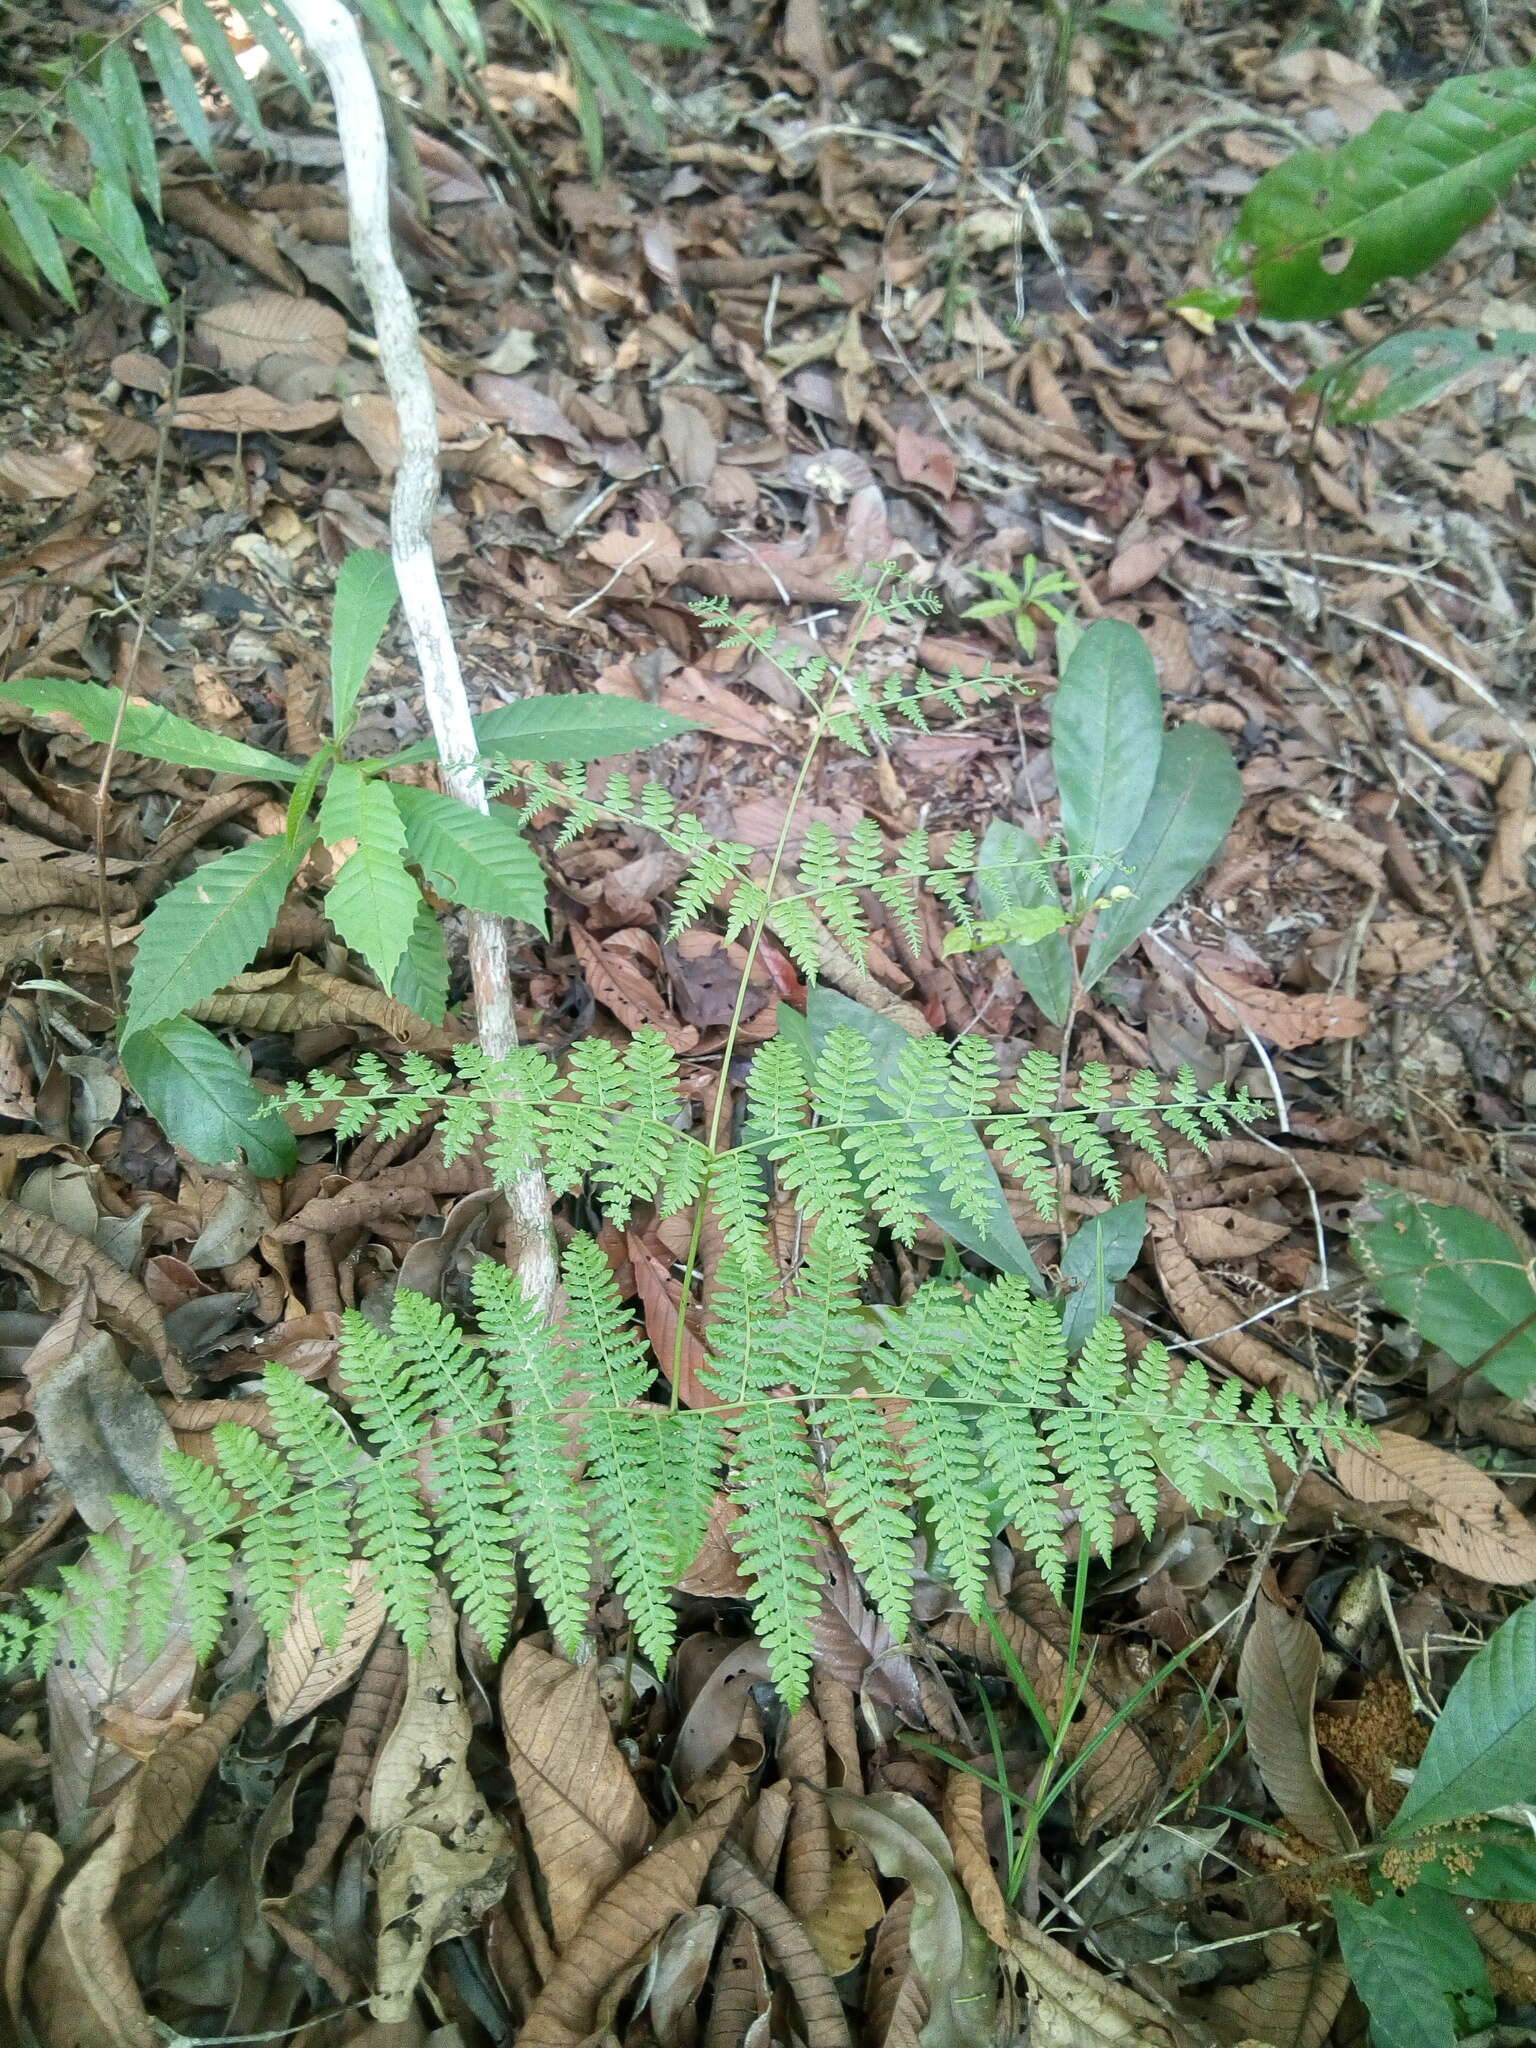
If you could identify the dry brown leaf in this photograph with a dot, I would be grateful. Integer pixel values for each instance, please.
(371, 1202)
(689, 441)
(735, 1881)
(808, 1850)
(27, 473)
(204, 209)
(246, 409)
(920, 459)
(1207, 1315)
(441, 1857)
(1073, 2006)
(1280, 1018)
(692, 694)
(247, 329)
(303, 1671)
(1503, 879)
(1293, 2005)
(964, 1826)
(44, 1249)
(28, 885)
(1215, 1234)
(1277, 1684)
(1137, 565)
(375, 1703)
(620, 986)
(841, 1926)
(28, 1865)
(586, 1822)
(622, 1925)
(741, 1995)
(1469, 1524)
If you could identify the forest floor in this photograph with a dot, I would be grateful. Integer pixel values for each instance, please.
(849, 311)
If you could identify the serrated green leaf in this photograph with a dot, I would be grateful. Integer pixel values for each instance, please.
(578, 727)
(1482, 1750)
(1004, 884)
(1323, 229)
(366, 595)
(177, 83)
(213, 44)
(1458, 1279)
(421, 979)
(374, 900)
(1416, 1966)
(146, 729)
(209, 927)
(130, 118)
(1106, 740)
(482, 861)
(18, 188)
(1190, 812)
(200, 1094)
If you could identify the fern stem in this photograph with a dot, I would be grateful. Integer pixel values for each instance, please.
(332, 35)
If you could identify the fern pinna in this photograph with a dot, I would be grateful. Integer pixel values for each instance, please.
(947, 1418)
(561, 1450)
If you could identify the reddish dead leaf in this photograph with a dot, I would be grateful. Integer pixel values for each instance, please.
(695, 695)
(620, 986)
(1139, 564)
(249, 410)
(659, 1294)
(920, 459)
(1278, 1017)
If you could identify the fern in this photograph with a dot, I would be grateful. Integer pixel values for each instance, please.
(962, 1414)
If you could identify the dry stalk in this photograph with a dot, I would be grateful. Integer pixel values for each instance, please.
(331, 32)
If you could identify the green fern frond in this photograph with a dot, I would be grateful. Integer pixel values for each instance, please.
(318, 1446)
(774, 1484)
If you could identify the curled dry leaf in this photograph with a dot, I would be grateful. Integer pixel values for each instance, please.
(370, 1202)
(1074, 2006)
(963, 1824)
(808, 1852)
(1277, 1684)
(840, 1926)
(1293, 2005)
(587, 1824)
(622, 1925)
(29, 1863)
(735, 1881)
(949, 1951)
(28, 885)
(1217, 1233)
(44, 1249)
(1468, 1523)
(380, 1689)
(441, 1857)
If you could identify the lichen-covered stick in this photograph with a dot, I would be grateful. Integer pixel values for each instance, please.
(331, 33)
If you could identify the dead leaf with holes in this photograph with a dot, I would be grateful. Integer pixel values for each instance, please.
(441, 1857)
(1277, 1684)
(1467, 1523)
(1216, 1234)
(304, 1671)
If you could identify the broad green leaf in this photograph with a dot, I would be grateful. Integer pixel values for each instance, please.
(482, 861)
(465, 23)
(1416, 1966)
(374, 899)
(1411, 369)
(1045, 968)
(213, 45)
(1486, 1859)
(18, 188)
(421, 979)
(1022, 928)
(200, 1094)
(1095, 1257)
(1322, 230)
(177, 83)
(583, 726)
(387, 20)
(1141, 17)
(1458, 1279)
(1188, 815)
(146, 729)
(14, 251)
(90, 114)
(645, 25)
(999, 1242)
(1106, 738)
(366, 594)
(1482, 1751)
(130, 117)
(121, 245)
(209, 927)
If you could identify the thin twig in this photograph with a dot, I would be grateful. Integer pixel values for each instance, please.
(332, 35)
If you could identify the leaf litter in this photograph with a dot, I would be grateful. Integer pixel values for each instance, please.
(817, 331)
